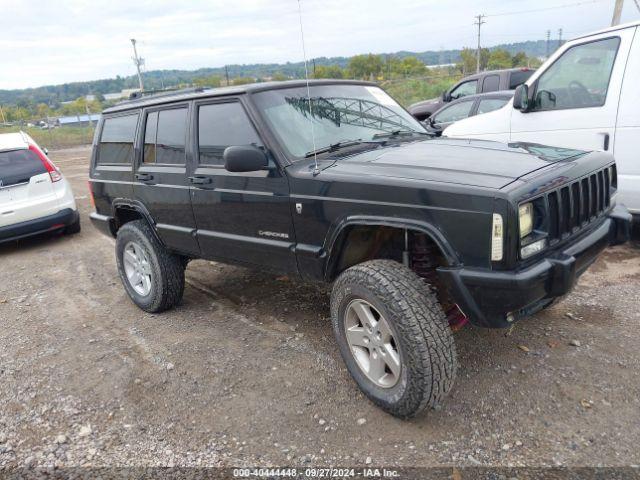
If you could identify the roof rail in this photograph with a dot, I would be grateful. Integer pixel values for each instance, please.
(164, 92)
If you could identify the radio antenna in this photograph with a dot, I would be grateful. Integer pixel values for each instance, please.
(316, 170)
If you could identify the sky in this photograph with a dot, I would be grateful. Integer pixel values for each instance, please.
(50, 42)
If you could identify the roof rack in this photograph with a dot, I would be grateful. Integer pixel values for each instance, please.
(167, 92)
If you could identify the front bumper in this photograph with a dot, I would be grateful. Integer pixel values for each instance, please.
(57, 221)
(496, 299)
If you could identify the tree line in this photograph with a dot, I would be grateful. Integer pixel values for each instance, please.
(395, 72)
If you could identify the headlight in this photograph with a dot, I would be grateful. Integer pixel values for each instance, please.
(526, 219)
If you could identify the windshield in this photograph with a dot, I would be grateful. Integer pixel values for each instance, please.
(339, 113)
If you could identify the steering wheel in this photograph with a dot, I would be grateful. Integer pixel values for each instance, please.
(582, 95)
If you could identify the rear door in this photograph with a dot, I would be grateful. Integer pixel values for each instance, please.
(576, 97)
(26, 192)
(243, 217)
(160, 178)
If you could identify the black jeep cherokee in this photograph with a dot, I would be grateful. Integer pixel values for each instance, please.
(335, 182)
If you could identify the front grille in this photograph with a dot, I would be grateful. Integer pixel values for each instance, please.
(575, 205)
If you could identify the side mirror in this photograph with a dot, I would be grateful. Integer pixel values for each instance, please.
(521, 98)
(446, 97)
(46, 151)
(244, 159)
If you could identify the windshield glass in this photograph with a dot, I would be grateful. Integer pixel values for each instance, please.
(339, 113)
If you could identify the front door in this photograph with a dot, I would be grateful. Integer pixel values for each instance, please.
(160, 179)
(240, 217)
(576, 98)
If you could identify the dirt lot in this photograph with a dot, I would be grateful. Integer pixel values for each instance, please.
(245, 371)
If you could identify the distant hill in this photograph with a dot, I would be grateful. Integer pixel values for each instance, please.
(54, 94)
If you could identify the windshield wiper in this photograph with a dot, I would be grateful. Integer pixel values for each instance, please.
(398, 133)
(333, 147)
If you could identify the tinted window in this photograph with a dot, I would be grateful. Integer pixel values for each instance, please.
(171, 136)
(491, 83)
(579, 78)
(454, 112)
(464, 89)
(221, 126)
(518, 78)
(116, 142)
(491, 104)
(18, 166)
(150, 133)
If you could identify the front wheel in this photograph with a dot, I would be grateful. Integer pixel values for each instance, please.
(152, 276)
(393, 337)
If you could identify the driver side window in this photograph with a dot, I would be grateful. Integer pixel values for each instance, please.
(464, 89)
(579, 78)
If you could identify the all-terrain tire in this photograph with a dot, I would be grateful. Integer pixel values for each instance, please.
(73, 228)
(167, 269)
(427, 350)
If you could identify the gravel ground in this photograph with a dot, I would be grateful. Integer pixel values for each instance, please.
(246, 372)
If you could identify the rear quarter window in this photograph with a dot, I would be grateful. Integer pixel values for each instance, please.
(116, 141)
(18, 166)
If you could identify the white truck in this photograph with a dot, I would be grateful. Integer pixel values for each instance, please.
(585, 96)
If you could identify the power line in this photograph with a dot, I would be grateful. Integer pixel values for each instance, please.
(567, 5)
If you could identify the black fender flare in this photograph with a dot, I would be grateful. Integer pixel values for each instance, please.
(128, 204)
(335, 233)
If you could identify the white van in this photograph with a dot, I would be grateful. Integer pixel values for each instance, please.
(586, 96)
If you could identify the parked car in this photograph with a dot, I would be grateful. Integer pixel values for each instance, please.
(34, 196)
(484, 82)
(411, 231)
(466, 107)
(585, 96)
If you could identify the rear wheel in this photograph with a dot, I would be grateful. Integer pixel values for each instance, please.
(152, 276)
(393, 337)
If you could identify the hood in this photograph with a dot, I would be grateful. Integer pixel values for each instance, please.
(479, 163)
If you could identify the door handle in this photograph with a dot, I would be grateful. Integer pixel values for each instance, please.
(201, 180)
(144, 177)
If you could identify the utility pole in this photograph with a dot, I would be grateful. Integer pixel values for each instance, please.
(4, 120)
(479, 22)
(548, 42)
(138, 62)
(617, 13)
(559, 37)
(226, 72)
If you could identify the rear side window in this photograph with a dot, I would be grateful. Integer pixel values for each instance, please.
(169, 136)
(220, 126)
(164, 137)
(490, 104)
(518, 78)
(455, 112)
(491, 83)
(116, 141)
(18, 166)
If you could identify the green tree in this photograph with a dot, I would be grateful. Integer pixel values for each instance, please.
(279, 77)
(366, 66)
(499, 59)
(467, 63)
(520, 60)
(328, 71)
(412, 66)
(210, 81)
(243, 80)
